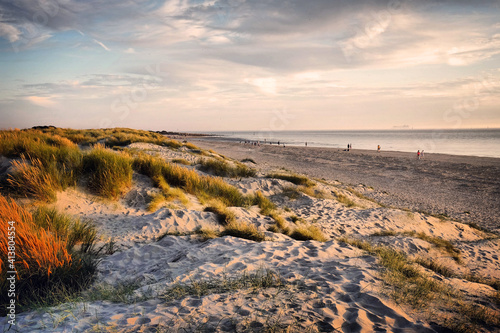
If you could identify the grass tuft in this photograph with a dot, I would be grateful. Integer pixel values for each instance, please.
(224, 215)
(110, 173)
(48, 264)
(293, 178)
(308, 232)
(221, 168)
(244, 230)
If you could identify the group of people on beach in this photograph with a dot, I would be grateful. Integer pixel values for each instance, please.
(420, 154)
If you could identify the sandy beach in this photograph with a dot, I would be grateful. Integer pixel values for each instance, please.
(163, 277)
(465, 188)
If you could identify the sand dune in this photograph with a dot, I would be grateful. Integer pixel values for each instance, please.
(314, 286)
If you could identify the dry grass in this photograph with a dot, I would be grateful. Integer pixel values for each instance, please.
(47, 264)
(182, 161)
(222, 168)
(224, 215)
(308, 232)
(266, 206)
(445, 305)
(205, 187)
(244, 230)
(293, 178)
(31, 179)
(343, 199)
(110, 173)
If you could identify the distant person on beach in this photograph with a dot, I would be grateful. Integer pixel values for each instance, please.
(378, 148)
(418, 154)
(306, 144)
(422, 154)
(348, 146)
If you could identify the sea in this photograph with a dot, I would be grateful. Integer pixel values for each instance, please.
(471, 142)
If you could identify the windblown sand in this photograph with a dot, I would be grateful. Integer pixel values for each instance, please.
(327, 286)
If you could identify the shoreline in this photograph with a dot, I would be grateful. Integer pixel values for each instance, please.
(465, 188)
(215, 138)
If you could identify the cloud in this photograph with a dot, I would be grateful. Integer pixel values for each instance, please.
(46, 102)
(9, 32)
(102, 45)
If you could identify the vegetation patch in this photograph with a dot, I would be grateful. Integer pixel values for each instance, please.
(182, 161)
(222, 168)
(244, 230)
(343, 199)
(224, 215)
(205, 187)
(409, 285)
(260, 279)
(110, 173)
(308, 232)
(293, 178)
(55, 255)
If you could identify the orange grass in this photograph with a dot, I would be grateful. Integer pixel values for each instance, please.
(36, 250)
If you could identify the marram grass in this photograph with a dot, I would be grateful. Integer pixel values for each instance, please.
(48, 264)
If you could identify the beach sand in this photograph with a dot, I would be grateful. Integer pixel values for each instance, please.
(325, 286)
(465, 188)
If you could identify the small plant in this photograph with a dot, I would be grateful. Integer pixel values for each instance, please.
(224, 215)
(182, 161)
(244, 230)
(260, 279)
(308, 232)
(266, 206)
(345, 200)
(205, 187)
(291, 192)
(293, 178)
(207, 233)
(32, 180)
(189, 145)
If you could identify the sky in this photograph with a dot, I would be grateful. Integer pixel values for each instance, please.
(197, 65)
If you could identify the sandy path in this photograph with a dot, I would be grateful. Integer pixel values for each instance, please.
(463, 187)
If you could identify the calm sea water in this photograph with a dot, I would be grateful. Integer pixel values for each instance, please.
(473, 142)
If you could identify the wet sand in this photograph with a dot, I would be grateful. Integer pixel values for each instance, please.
(465, 188)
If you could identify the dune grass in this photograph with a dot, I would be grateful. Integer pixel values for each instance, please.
(266, 206)
(343, 199)
(46, 163)
(205, 187)
(244, 230)
(257, 280)
(222, 168)
(439, 242)
(293, 178)
(52, 259)
(182, 161)
(308, 232)
(409, 285)
(110, 173)
(224, 215)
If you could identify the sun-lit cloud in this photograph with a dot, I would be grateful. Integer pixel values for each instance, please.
(161, 61)
(43, 101)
